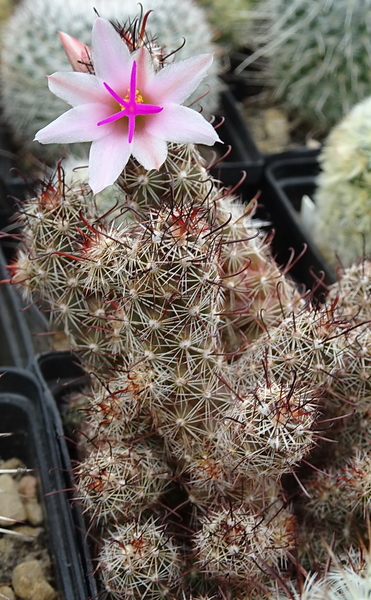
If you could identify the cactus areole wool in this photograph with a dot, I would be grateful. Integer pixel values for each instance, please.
(127, 108)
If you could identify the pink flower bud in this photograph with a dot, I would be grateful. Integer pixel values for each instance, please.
(77, 52)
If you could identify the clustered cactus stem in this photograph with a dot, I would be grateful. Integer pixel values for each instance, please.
(212, 380)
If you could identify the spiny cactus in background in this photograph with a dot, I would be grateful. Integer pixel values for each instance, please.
(213, 381)
(349, 578)
(31, 50)
(230, 20)
(342, 221)
(318, 53)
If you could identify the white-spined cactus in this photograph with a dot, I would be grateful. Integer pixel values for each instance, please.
(342, 223)
(230, 21)
(318, 55)
(213, 380)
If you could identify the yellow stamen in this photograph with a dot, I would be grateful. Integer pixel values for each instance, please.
(138, 97)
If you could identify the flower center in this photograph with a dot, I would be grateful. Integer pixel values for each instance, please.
(131, 106)
(138, 98)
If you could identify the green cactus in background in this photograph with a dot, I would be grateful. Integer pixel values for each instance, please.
(319, 55)
(31, 50)
(214, 385)
(342, 221)
(230, 20)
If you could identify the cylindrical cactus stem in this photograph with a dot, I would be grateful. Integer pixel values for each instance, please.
(119, 480)
(139, 560)
(182, 179)
(235, 544)
(258, 295)
(46, 267)
(269, 429)
(164, 280)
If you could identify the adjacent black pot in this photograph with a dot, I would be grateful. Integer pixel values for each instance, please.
(281, 180)
(11, 184)
(16, 347)
(286, 181)
(244, 155)
(249, 84)
(22, 328)
(37, 439)
(60, 374)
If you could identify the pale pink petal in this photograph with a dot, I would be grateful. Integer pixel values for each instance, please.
(181, 125)
(78, 124)
(111, 57)
(77, 88)
(176, 82)
(107, 159)
(145, 70)
(77, 53)
(150, 151)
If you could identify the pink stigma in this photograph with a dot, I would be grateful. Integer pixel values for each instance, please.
(131, 108)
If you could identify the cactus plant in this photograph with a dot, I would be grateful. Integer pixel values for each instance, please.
(342, 222)
(347, 579)
(31, 50)
(213, 380)
(318, 55)
(230, 20)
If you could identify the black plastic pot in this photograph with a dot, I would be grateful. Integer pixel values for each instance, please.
(36, 439)
(60, 374)
(240, 86)
(11, 184)
(286, 182)
(244, 155)
(21, 329)
(6, 154)
(16, 346)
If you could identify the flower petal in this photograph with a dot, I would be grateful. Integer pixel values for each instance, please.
(107, 159)
(176, 82)
(150, 151)
(145, 70)
(78, 124)
(182, 125)
(77, 88)
(111, 57)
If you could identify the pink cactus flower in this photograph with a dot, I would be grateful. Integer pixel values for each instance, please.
(126, 108)
(77, 53)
